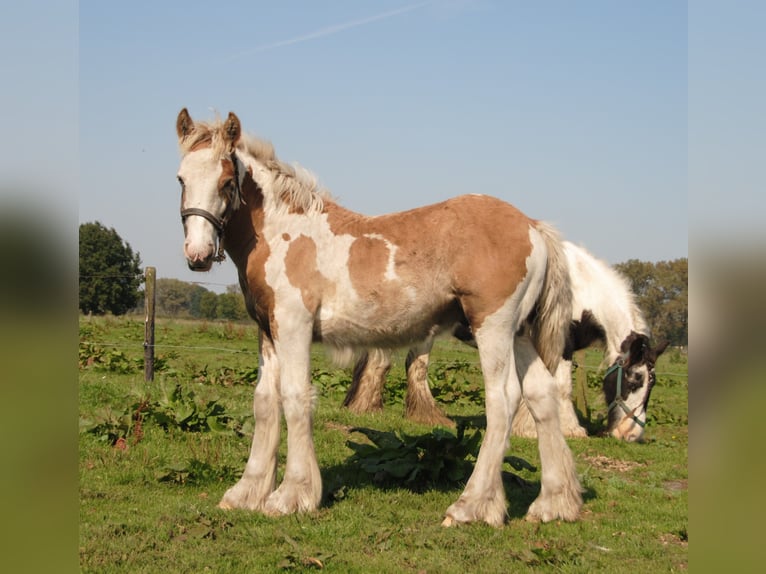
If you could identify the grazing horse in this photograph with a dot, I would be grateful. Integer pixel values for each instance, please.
(310, 269)
(604, 311)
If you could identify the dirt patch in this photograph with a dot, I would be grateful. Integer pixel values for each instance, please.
(346, 429)
(606, 463)
(676, 485)
(675, 539)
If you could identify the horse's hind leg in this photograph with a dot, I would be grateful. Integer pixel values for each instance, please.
(560, 493)
(259, 478)
(420, 404)
(365, 395)
(570, 424)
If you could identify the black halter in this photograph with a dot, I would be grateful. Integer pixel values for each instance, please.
(220, 222)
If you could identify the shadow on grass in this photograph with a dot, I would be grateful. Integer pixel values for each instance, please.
(394, 463)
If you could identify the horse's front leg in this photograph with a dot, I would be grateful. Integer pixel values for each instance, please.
(484, 496)
(301, 488)
(259, 478)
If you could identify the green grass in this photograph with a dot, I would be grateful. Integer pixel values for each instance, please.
(148, 502)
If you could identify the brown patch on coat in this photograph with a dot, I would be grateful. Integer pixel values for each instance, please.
(227, 174)
(367, 262)
(474, 246)
(303, 272)
(491, 271)
(250, 255)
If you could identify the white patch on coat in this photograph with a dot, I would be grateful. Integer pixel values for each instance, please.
(600, 289)
(390, 273)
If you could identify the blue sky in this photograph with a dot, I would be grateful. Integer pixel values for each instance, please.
(576, 112)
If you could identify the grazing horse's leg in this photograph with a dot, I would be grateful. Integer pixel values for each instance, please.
(301, 488)
(560, 493)
(570, 424)
(259, 478)
(524, 424)
(365, 394)
(420, 404)
(484, 495)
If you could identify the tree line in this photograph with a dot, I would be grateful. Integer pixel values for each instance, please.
(662, 294)
(176, 298)
(111, 276)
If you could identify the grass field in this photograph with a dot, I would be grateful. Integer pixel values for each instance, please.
(154, 459)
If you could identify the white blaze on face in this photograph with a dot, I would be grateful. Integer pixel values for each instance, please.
(200, 172)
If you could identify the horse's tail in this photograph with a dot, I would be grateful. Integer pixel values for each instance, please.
(554, 305)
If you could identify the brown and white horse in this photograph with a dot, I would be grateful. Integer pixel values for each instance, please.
(312, 270)
(604, 311)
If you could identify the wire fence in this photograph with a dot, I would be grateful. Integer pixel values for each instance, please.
(129, 277)
(159, 346)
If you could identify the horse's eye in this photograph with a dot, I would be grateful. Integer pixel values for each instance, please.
(227, 189)
(181, 181)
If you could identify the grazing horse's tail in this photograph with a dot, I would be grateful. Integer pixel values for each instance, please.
(554, 305)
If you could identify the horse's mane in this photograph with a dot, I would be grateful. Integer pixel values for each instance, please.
(612, 282)
(635, 312)
(294, 186)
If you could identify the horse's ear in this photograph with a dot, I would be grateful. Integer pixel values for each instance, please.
(627, 342)
(639, 345)
(659, 349)
(232, 128)
(184, 124)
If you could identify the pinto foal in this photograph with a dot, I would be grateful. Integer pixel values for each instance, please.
(311, 270)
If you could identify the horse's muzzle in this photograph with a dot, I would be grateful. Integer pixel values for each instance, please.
(200, 264)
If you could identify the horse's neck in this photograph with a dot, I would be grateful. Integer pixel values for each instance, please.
(601, 290)
(246, 225)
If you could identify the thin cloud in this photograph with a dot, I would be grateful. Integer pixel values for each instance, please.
(330, 30)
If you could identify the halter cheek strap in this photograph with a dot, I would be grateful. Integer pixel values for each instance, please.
(618, 401)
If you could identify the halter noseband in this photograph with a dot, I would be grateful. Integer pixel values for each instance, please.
(618, 401)
(220, 222)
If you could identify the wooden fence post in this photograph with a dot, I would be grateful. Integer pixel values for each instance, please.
(150, 276)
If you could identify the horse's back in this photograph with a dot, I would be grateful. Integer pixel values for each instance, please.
(411, 272)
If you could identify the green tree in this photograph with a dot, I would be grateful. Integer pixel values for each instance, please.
(231, 306)
(207, 305)
(110, 273)
(662, 294)
(176, 298)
